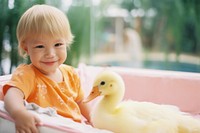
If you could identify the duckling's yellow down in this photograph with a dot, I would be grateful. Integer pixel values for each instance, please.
(119, 116)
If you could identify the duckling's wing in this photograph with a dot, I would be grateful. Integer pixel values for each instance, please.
(155, 116)
(147, 108)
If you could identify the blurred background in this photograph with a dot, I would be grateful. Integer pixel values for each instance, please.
(152, 34)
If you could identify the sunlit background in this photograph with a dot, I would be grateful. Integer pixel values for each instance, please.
(150, 34)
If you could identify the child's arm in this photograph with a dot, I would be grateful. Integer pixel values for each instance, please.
(85, 110)
(24, 120)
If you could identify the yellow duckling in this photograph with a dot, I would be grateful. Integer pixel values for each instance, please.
(119, 116)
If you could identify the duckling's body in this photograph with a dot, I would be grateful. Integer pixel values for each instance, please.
(135, 117)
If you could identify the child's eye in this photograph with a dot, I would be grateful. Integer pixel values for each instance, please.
(58, 44)
(39, 46)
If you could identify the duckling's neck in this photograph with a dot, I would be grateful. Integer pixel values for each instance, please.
(110, 102)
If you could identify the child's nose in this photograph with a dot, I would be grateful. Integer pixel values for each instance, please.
(50, 53)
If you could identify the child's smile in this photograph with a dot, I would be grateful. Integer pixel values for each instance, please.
(46, 53)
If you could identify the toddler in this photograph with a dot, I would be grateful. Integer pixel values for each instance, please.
(44, 34)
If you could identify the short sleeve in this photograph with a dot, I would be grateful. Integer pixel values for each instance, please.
(23, 79)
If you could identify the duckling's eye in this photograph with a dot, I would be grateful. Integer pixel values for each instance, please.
(102, 83)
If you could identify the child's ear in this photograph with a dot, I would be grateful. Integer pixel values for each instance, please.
(24, 47)
(26, 50)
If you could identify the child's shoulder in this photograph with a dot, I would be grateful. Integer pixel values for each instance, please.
(68, 69)
(24, 68)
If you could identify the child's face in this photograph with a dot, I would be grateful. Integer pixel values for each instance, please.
(46, 53)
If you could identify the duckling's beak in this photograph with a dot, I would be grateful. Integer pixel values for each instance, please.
(93, 94)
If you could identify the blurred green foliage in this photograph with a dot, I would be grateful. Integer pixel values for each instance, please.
(79, 18)
(175, 26)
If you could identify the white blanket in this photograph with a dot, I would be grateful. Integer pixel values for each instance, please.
(51, 122)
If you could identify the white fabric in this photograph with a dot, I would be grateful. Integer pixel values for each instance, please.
(51, 122)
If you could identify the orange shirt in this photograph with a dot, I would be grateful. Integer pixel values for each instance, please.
(43, 91)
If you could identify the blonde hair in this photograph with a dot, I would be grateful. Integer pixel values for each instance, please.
(42, 20)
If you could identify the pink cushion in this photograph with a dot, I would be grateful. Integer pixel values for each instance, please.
(181, 89)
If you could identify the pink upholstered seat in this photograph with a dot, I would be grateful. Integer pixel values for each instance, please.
(181, 89)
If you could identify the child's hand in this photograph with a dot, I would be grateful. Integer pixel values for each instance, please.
(25, 122)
